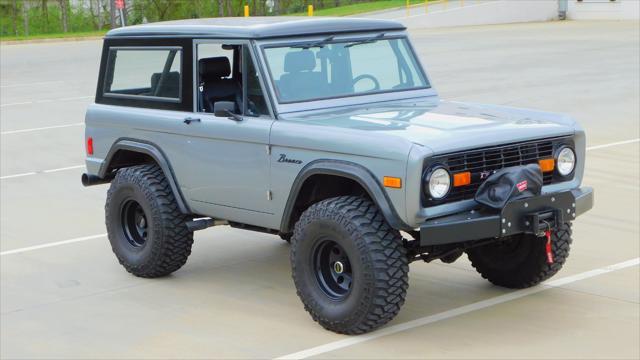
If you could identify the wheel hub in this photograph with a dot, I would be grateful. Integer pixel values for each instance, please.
(333, 269)
(338, 267)
(134, 223)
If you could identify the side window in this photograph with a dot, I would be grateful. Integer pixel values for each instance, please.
(256, 104)
(154, 73)
(219, 78)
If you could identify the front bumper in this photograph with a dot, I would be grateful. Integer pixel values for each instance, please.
(531, 215)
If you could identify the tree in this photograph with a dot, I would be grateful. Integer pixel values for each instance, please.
(64, 9)
(220, 8)
(25, 16)
(44, 10)
(162, 9)
(99, 13)
(229, 7)
(14, 17)
(94, 17)
(112, 13)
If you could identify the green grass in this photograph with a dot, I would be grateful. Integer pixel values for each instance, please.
(345, 10)
(363, 7)
(54, 36)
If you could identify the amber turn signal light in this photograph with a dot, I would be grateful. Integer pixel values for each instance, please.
(392, 182)
(461, 179)
(547, 165)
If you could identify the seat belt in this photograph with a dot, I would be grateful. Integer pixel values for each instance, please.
(201, 97)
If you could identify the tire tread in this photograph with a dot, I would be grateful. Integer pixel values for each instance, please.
(375, 239)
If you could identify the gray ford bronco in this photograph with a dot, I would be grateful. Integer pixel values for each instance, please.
(328, 133)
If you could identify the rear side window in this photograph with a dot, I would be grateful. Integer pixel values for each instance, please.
(144, 73)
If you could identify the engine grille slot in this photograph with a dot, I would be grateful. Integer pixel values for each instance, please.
(482, 162)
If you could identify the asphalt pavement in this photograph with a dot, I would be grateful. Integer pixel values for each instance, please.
(64, 295)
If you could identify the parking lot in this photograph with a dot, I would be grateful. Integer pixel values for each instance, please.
(64, 295)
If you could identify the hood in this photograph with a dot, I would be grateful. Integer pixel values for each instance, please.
(445, 126)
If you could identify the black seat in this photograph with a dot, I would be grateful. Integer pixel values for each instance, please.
(217, 86)
(169, 88)
(299, 80)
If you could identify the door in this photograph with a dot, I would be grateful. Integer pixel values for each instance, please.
(226, 159)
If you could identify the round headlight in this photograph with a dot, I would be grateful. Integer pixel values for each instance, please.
(439, 183)
(566, 161)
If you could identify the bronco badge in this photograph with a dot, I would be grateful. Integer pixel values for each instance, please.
(283, 159)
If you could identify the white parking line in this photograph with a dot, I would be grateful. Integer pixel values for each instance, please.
(39, 129)
(41, 172)
(603, 146)
(353, 340)
(47, 101)
(32, 84)
(444, 10)
(58, 243)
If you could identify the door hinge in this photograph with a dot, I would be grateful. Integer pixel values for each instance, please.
(268, 149)
(269, 195)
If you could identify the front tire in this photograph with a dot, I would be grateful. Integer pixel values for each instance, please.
(349, 266)
(520, 261)
(147, 231)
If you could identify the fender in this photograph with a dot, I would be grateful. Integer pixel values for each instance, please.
(349, 170)
(156, 154)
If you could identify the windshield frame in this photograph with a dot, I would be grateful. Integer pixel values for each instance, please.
(345, 99)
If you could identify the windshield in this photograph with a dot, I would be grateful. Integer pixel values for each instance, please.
(328, 69)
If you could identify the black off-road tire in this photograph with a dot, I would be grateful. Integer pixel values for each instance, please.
(377, 259)
(521, 261)
(168, 241)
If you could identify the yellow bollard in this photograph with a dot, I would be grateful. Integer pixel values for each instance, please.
(246, 11)
(426, 6)
(461, 3)
(407, 7)
(446, 4)
(310, 10)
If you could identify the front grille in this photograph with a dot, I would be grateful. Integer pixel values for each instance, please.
(482, 162)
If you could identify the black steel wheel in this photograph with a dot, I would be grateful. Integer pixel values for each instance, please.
(147, 231)
(134, 223)
(333, 269)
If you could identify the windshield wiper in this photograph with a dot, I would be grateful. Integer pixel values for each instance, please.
(320, 43)
(365, 41)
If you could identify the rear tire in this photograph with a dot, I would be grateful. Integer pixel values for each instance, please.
(520, 261)
(349, 266)
(147, 230)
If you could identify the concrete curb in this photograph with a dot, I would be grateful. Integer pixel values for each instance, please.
(378, 12)
(50, 40)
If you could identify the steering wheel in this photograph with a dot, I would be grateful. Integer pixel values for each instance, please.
(376, 83)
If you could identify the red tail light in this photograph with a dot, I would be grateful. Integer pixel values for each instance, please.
(89, 146)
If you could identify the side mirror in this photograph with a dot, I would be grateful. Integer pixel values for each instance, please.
(223, 108)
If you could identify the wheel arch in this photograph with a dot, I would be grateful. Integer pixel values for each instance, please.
(349, 171)
(130, 152)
